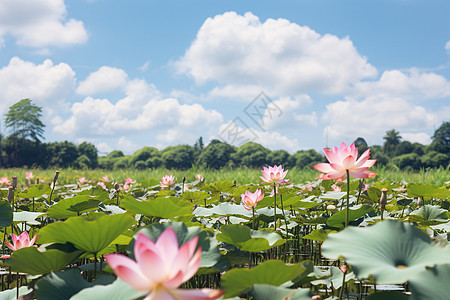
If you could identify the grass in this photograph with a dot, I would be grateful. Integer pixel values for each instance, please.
(241, 175)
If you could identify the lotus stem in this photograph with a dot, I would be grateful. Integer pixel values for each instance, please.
(275, 206)
(348, 198)
(253, 219)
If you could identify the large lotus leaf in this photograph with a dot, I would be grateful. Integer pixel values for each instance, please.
(98, 192)
(210, 251)
(392, 251)
(196, 197)
(271, 272)
(355, 212)
(35, 191)
(427, 191)
(222, 210)
(220, 186)
(429, 212)
(269, 292)
(432, 283)
(330, 276)
(111, 209)
(12, 293)
(64, 284)
(6, 214)
(90, 234)
(26, 216)
(118, 290)
(42, 260)
(333, 195)
(73, 206)
(249, 240)
(300, 202)
(166, 208)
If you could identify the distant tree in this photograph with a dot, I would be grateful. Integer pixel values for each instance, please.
(198, 147)
(278, 157)
(90, 151)
(391, 140)
(62, 154)
(410, 161)
(253, 155)
(216, 155)
(434, 159)
(441, 139)
(404, 147)
(144, 154)
(23, 118)
(178, 157)
(361, 144)
(115, 154)
(305, 159)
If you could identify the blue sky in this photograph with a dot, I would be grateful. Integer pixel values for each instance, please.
(287, 74)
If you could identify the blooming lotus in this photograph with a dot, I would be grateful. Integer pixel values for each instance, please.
(21, 241)
(274, 174)
(129, 180)
(161, 267)
(198, 177)
(249, 200)
(102, 184)
(29, 175)
(344, 158)
(105, 178)
(336, 188)
(83, 180)
(167, 181)
(4, 180)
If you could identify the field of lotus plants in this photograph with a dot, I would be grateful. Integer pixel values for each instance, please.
(334, 238)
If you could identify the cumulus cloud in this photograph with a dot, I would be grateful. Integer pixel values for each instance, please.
(447, 47)
(373, 116)
(40, 23)
(105, 79)
(420, 137)
(238, 50)
(141, 110)
(45, 84)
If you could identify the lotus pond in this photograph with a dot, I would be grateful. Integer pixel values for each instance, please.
(98, 238)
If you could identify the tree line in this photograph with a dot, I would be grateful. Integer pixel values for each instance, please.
(23, 148)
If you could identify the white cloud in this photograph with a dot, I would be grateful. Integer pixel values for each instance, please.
(447, 47)
(127, 146)
(412, 85)
(373, 116)
(276, 54)
(145, 66)
(420, 137)
(40, 23)
(45, 84)
(105, 79)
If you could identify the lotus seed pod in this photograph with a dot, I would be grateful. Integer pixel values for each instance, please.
(56, 176)
(383, 199)
(331, 207)
(10, 194)
(14, 181)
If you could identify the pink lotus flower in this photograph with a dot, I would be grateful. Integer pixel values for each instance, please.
(29, 175)
(250, 199)
(161, 267)
(4, 180)
(105, 178)
(126, 186)
(21, 241)
(167, 181)
(83, 180)
(102, 184)
(336, 188)
(274, 174)
(129, 180)
(344, 158)
(198, 177)
(309, 187)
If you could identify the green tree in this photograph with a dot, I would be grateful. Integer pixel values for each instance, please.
(391, 140)
(144, 154)
(23, 118)
(62, 154)
(178, 157)
(361, 144)
(305, 159)
(441, 139)
(253, 155)
(90, 152)
(216, 155)
(278, 157)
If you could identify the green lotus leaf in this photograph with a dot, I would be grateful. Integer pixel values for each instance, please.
(429, 212)
(427, 191)
(118, 290)
(404, 201)
(218, 187)
(355, 212)
(330, 276)
(333, 195)
(73, 206)
(300, 202)
(222, 210)
(35, 191)
(373, 194)
(90, 234)
(210, 250)
(392, 251)
(166, 208)
(269, 292)
(64, 284)
(431, 284)
(27, 216)
(12, 293)
(318, 235)
(6, 214)
(389, 295)
(44, 260)
(249, 240)
(271, 272)
(196, 197)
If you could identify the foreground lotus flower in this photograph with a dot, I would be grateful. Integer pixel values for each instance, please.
(29, 175)
(161, 267)
(249, 200)
(167, 181)
(21, 241)
(344, 158)
(274, 174)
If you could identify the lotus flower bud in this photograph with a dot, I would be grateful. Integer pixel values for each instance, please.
(10, 194)
(383, 199)
(316, 297)
(14, 181)
(55, 177)
(343, 268)
(331, 207)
